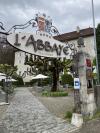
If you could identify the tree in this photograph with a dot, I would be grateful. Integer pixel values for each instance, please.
(50, 65)
(94, 62)
(56, 67)
(98, 46)
(8, 69)
(67, 79)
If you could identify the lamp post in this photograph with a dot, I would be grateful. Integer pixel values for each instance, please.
(95, 47)
(5, 83)
(6, 88)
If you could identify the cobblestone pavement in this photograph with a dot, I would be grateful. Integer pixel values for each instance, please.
(57, 105)
(3, 109)
(27, 115)
(2, 97)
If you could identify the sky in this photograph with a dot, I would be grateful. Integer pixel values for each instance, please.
(66, 14)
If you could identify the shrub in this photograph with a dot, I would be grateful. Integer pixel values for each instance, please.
(45, 82)
(41, 82)
(8, 88)
(19, 81)
(33, 81)
(68, 115)
(44, 93)
(54, 94)
(67, 79)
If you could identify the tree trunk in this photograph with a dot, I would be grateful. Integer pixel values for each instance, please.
(55, 78)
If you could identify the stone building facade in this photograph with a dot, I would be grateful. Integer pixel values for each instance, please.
(72, 37)
(7, 52)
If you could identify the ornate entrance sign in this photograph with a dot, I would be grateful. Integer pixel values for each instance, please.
(41, 44)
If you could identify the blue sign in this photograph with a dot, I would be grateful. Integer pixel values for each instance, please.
(76, 83)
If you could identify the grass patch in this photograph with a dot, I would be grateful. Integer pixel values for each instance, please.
(95, 116)
(55, 94)
(68, 115)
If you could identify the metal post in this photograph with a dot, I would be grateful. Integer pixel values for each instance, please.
(6, 89)
(95, 47)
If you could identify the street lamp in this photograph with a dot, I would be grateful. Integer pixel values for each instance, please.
(95, 47)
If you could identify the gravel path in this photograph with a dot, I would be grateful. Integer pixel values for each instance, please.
(57, 105)
(26, 114)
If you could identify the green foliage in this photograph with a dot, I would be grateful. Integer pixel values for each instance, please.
(41, 82)
(95, 116)
(98, 47)
(32, 82)
(7, 69)
(54, 94)
(68, 115)
(19, 81)
(46, 81)
(9, 89)
(49, 65)
(67, 63)
(98, 35)
(94, 62)
(67, 79)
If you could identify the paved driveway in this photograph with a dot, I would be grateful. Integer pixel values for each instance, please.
(26, 114)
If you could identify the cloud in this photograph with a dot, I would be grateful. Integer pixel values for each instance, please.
(66, 14)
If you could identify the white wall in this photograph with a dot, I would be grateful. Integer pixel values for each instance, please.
(22, 69)
(89, 45)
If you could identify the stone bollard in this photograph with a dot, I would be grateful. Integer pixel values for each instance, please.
(77, 120)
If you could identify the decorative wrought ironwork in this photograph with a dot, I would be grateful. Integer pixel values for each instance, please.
(1, 26)
(38, 22)
(32, 22)
(54, 30)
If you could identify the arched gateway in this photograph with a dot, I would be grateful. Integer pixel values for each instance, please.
(43, 44)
